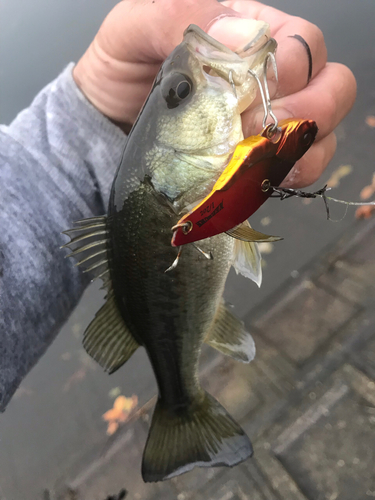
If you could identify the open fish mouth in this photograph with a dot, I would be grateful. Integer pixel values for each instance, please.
(219, 60)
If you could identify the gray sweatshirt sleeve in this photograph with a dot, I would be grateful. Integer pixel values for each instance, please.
(57, 162)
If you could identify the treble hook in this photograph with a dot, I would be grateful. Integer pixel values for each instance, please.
(264, 102)
(175, 262)
(265, 94)
(208, 256)
(270, 56)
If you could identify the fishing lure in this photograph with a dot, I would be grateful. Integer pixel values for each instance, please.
(258, 163)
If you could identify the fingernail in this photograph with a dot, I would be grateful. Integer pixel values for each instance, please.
(234, 32)
(255, 124)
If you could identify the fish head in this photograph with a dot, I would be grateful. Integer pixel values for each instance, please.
(191, 121)
(296, 138)
(202, 88)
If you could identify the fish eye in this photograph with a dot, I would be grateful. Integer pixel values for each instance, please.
(307, 139)
(175, 89)
(183, 89)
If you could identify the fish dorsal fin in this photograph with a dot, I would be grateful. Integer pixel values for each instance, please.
(228, 335)
(107, 338)
(245, 232)
(88, 242)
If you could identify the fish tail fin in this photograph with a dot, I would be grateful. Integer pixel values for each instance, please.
(204, 435)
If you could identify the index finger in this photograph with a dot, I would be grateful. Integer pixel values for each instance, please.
(292, 57)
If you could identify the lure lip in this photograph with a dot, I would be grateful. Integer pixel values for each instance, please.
(266, 164)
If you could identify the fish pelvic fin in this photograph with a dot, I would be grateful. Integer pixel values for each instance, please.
(107, 339)
(204, 435)
(229, 336)
(247, 259)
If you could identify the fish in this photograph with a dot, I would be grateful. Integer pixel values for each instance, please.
(258, 163)
(179, 145)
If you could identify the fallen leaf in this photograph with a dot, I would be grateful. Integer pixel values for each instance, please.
(370, 120)
(265, 247)
(113, 393)
(364, 212)
(112, 428)
(366, 192)
(338, 174)
(122, 408)
(77, 330)
(76, 377)
(112, 414)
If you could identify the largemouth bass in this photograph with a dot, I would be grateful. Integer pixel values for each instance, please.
(178, 147)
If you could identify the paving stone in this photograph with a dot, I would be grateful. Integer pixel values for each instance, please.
(326, 447)
(348, 282)
(232, 383)
(119, 467)
(335, 457)
(304, 320)
(237, 484)
(365, 357)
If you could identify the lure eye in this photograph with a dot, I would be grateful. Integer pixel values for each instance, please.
(307, 139)
(176, 89)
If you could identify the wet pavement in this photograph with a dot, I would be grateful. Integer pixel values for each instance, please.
(307, 400)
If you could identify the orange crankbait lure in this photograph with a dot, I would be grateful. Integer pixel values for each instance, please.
(258, 163)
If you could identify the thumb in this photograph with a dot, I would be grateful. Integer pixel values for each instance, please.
(148, 31)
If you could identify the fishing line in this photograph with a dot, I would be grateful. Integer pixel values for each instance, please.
(285, 193)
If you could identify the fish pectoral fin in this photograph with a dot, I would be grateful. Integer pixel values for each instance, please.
(228, 335)
(245, 232)
(203, 435)
(247, 260)
(107, 338)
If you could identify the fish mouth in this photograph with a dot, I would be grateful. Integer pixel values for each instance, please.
(218, 60)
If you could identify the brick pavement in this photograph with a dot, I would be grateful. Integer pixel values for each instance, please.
(307, 401)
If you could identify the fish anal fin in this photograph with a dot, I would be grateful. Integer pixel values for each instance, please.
(245, 232)
(107, 339)
(204, 435)
(228, 335)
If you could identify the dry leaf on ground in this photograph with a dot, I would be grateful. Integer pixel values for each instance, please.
(113, 393)
(365, 212)
(265, 247)
(338, 174)
(370, 120)
(266, 221)
(74, 379)
(122, 408)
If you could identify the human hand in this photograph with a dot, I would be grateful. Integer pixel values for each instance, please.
(117, 70)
